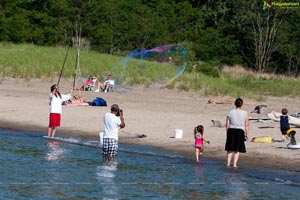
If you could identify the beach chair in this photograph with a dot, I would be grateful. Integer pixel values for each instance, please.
(91, 87)
(110, 88)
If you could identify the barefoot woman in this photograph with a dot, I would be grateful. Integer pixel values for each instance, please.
(237, 127)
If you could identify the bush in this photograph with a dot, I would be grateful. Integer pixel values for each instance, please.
(209, 70)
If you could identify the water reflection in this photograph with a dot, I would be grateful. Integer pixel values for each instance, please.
(106, 173)
(239, 184)
(198, 169)
(55, 151)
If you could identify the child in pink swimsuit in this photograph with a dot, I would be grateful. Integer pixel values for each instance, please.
(199, 139)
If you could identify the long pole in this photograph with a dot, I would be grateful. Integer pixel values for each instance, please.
(75, 72)
(62, 68)
(77, 65)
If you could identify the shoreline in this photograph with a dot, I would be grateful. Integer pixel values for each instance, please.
(218, 154)
(155, 113)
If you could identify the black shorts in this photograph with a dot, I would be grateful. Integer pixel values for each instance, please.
(284, 132)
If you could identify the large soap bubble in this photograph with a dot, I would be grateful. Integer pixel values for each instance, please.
(158, 66)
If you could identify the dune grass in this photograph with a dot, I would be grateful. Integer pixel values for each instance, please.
(28, 61)
(247, 84)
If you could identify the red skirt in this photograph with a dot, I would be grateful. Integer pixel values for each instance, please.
(54, 120)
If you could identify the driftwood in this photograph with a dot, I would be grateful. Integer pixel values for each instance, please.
(259, 107)
(210, 101)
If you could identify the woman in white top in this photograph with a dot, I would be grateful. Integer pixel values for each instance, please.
(237, 127)
(56, 101)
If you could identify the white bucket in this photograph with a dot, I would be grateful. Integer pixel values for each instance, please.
(101, 138)
(178, 133)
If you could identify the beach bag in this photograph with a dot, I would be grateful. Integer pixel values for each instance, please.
(98, 101)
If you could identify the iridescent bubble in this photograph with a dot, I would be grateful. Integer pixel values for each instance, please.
(158, 66)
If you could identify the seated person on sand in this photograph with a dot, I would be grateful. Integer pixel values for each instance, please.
(87, 85)
(107, 86)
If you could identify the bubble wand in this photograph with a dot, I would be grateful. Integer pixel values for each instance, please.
(77, 64)
(62, 68)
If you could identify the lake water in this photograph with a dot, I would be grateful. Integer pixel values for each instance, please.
(33, 167)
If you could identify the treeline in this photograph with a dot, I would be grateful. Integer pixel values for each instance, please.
(257, 35)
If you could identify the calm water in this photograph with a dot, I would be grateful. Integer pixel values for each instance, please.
(33, 167)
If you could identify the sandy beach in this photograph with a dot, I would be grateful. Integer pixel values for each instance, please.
(154, 113)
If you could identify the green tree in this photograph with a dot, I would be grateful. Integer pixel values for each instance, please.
(4, 33)
(99, 22)
(287, 55)
(219, 39)
(259, 35)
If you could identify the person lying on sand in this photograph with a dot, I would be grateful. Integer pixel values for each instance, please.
(210, 101)
(76, 100)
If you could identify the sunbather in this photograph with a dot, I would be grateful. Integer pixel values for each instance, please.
(76, 100)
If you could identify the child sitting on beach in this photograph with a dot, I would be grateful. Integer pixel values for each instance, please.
(199, 139)
(284, 123)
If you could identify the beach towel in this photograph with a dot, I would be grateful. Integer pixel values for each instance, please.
(263, 139)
